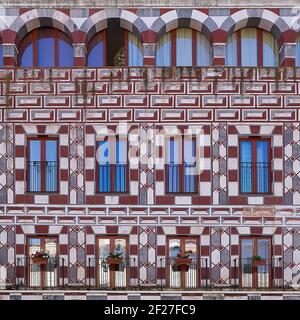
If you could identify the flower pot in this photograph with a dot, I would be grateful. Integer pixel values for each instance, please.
(115, 264)
(182, 264)
(261, 262)
(38, 260)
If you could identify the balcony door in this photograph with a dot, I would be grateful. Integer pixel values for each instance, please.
(108, 275)
(179, 277)
(42, 275)
(253, 273)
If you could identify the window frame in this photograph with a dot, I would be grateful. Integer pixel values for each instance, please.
(43, 154)
(112, 172)
(181, 168)
(253, 141)
(33, 37)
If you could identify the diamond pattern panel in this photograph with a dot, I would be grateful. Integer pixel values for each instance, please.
(220, 255)
(147, 255)
(147, 154)
(7, 255)
(219, 162)
(292, 163)
(76, 182)
(77, 253)
(6, 163)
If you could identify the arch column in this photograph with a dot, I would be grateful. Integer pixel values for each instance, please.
(218, 39)
(148, 39)
(10, 55)
(287, 48)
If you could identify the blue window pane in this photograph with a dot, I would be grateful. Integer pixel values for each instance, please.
(27, 56)
(96, 55)
(1, 55)
(120, 169)
(249, 47)
(246, 166)
(298, 52)
(231, 51)
(104, 166)
(163, 51)
(35, 169)
(262, 166)
(173, 167)
(46, 56)
(184, 52)
(189, 165)
(51, 165)
(65, 54)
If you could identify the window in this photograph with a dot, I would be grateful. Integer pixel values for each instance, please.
(112, 165)
(298, 51)
(251, 47)
(1, 55)
(181, 167)
(42, 165)
(255, 166)
(114, 47)
(183, 47)
(46, 47)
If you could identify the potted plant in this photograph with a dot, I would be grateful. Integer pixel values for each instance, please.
(40, 257)
(182, 261)
(114, 260)
(258, 261)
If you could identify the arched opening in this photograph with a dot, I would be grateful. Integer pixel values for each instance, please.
(114, 46)
(46, 47)
(183, 47)
(251, 47)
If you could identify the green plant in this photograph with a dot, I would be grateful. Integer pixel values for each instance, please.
(257, 258)
(114, 255)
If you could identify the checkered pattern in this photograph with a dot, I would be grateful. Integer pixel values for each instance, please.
(7, 255)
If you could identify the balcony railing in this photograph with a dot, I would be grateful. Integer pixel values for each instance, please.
(194, 273)
(181, 177)
(112, 177)
(42, 176)
(255, 177)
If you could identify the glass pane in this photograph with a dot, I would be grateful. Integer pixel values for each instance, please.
(135, 55)
(27, 56)
(189, 164)
(120, 272)
(190, 245)
(104, 166)
(35, 166)
(246, 166)
(263, 270)
(298, 52)
(262, 163)
(173, 166)
(184, 52)
(96, 55)
(103, 270)
(51, 268)
(35, 279)
(231, 50)
(1, 55)
(249, 47)
(51, 165)
(203, 50)
(246, 262)
(65, 54)
(104, 247)
(175, 276)
(46, 52)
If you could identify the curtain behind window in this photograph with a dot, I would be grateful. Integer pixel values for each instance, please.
(1, 55)
(184, 56)
(270, 50)
(203, 50)
(231, 51)
(163, 51)
(249, 47)
(135, 55)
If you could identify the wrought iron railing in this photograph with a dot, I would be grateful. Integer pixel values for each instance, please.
(181, 177)
(46, 274)
(112, 177)
(42, 176)
(112, 273)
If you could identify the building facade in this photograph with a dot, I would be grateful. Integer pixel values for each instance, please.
(156, 133)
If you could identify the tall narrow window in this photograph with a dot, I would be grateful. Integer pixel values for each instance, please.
(96, 56)
(251, 47)
(183, 47)
(46, 47)
(135, 51)
(112, 165)
(42, 171)
(298, 51)
(255, 166)
(1, 55)
(181, 174)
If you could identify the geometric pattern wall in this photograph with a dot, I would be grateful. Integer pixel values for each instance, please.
(291, 256)
(147, 158)
(291, 137)
(7, 254)
(6, 163)
(76, 164)
(220, 255)
(219, 163)
(147, 255)
(77, 255)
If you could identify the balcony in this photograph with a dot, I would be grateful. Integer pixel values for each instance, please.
(196, 273)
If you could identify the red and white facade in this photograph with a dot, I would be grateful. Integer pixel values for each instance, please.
(78, 106)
